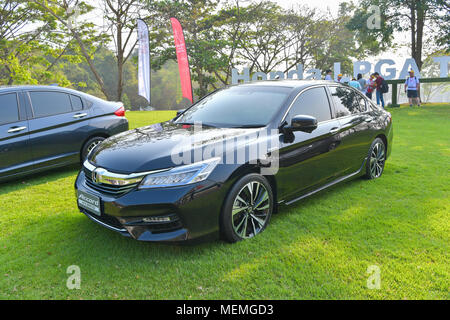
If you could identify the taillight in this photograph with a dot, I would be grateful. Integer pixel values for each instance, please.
(120, 112)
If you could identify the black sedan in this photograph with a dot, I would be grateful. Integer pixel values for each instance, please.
(43, 127)
(223, 166)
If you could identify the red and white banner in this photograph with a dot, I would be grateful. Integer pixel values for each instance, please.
(183, 62)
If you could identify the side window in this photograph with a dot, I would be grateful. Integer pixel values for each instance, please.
(347, 101)
(8, 108)
(362, 103)
(313, 102)
(50, 103)
(77, 104)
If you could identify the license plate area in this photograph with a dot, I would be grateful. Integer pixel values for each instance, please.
(89, 202)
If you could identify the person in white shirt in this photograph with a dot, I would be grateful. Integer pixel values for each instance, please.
(412, 87)
(328, 75)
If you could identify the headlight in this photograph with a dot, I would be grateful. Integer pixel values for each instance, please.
(182, 175)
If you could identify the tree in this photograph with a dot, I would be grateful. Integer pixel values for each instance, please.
(203, 41)
(84, 33)
(413, 16)
(121, 16)
(28, 55)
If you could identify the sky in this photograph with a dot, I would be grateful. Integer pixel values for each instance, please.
(323, 5)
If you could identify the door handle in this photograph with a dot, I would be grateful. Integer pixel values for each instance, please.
(335, 130)
(16, 129)
(368, 119)
(80, 115)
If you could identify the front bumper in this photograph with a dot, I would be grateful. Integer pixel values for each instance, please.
(160, 214)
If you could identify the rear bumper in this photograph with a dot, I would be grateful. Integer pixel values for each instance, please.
(193, 211)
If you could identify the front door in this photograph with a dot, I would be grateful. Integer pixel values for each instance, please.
(309, 160)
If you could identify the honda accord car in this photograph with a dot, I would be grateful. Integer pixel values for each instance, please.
(223, 166)
(43, 127)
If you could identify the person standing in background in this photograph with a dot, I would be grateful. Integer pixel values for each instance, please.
(355, 84)
(339, 77)
(379, 81)
(362, 82)
(328, 75)
(412, 87)
(370, 86)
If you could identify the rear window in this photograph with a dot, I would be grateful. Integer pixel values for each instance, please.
(347, 101)
(50, 103)
(8, 108)
(77, 104)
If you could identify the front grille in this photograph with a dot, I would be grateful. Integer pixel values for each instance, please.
(107, 188)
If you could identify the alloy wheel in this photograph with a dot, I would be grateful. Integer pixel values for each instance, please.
(251, 210)
(377, 160)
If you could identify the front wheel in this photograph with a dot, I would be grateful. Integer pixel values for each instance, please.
(376, 159)
(247, 209)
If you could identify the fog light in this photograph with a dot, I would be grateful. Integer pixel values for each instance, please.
(156, 219)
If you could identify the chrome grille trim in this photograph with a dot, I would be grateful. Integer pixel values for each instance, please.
(107, 177)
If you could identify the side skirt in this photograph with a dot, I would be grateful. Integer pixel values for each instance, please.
(329, 184)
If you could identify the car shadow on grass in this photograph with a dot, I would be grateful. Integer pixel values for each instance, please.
(38, 179)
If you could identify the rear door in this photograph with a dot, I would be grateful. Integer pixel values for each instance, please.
(58, 128)
(309, 160)
(15, 154)
(352, 112)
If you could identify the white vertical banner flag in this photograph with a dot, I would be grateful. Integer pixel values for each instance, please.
(144, 60)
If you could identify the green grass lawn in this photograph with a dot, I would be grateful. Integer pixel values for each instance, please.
(319, 248)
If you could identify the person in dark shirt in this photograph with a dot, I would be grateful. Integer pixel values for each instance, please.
(379, 81)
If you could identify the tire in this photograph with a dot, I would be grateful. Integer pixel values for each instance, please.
(89, 146)
(376, 159)
(246, 214)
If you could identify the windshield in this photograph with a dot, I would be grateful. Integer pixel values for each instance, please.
(240, 106)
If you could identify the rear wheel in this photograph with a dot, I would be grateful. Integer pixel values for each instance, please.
(376, 159)
(248, 208)
(89, 146)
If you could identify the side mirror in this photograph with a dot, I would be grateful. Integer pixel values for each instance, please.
(303, 123)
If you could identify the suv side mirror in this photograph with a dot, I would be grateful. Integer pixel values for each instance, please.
(303, 123)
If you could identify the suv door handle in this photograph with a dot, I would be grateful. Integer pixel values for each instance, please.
(16, 129)
(335, 130)
(368, 119)
(80, 115)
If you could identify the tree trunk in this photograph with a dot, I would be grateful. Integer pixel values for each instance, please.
(413, 27)
(421, 11)
(119, 60)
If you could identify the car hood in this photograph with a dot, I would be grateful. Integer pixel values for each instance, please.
(155, 147)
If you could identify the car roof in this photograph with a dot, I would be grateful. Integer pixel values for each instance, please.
(5, 89)
(32, 87)
(288, 83)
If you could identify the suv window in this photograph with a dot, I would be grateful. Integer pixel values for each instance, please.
(8, 108)
(50, 103)
(77, 104)
(313, 102)
(347, 101)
